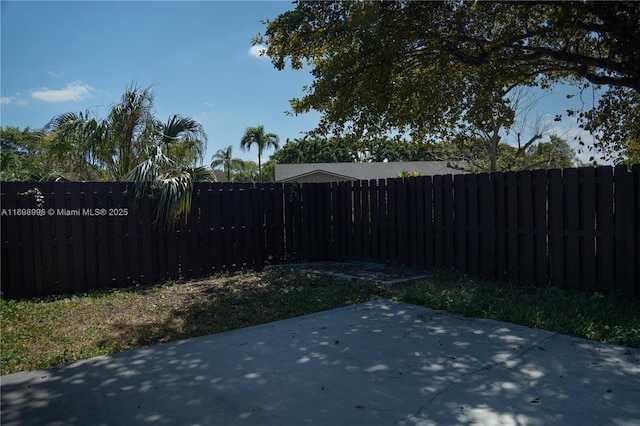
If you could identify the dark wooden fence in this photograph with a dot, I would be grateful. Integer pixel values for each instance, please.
(575, 228)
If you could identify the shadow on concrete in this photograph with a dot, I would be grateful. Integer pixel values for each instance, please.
(376, 363)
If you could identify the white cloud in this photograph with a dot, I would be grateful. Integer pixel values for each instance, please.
(13, 100)
(74, 91)
(257, 50)
(52, 73)
(569, 134)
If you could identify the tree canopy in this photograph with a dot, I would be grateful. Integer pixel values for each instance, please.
(317, 150)
(554, 153)
(426, 67)
(21, 157)
(337, 149)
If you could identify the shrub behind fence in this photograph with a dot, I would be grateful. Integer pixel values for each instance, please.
(575, 228)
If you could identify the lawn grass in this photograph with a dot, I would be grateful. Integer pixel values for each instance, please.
(37, 333)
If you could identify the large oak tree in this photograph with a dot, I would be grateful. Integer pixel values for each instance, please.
(426, 67)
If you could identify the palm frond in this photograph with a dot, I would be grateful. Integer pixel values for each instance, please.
(66, 119)
(200, 173)
(159, 177)
(176, 193)
(175, 196)
(186, 137)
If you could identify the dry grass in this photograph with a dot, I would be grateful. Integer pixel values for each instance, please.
(44, 332)
(55, 330)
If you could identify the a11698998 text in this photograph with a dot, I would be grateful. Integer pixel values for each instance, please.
(66, 212)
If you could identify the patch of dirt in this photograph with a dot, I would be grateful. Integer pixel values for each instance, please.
(365, 272)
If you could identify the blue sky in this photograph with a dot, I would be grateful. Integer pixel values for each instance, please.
(58, 57)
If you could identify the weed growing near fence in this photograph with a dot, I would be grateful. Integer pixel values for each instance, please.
(41, 332)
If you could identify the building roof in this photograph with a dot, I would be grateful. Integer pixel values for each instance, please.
(336, 172)
(218, 176)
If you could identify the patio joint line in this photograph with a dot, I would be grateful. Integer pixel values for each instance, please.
(99, 378)
(456, 380)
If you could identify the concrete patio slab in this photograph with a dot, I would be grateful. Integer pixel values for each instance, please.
(376, 363)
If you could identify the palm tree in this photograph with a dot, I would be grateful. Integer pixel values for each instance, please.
(169, 170)
(132, 145)
(257, 136)
(224, 158)
(127, 132)
(170, 182)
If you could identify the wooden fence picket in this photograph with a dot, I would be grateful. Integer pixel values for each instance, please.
(587, 219)
(540, 226)
(625, 222)
(486, 227)
(460, 222)
(605, 265)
